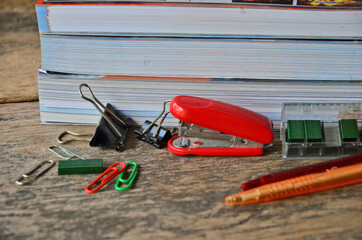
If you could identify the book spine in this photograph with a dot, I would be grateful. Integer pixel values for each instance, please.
(42, 13)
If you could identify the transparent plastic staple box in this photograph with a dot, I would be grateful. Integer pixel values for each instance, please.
(321, 130)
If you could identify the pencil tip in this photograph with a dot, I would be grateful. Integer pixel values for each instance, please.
(232, 200)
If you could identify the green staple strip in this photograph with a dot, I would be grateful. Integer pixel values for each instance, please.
(313, 131)
(296, 131)
(83, 166)
(348, 130)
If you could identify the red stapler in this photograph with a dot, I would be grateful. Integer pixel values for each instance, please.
(212, 128)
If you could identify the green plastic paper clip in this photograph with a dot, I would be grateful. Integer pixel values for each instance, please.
(129, 180)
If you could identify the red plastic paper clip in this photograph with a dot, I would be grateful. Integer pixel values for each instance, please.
(212, 128)
(112, 172)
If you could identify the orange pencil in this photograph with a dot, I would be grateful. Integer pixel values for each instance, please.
(300, 185)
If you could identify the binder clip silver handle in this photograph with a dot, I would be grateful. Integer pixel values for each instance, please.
(99, 110)
(154, 121)
(76, 137)
(154, 134)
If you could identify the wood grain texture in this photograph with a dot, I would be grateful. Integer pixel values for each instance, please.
(174, 197)
(19, 51)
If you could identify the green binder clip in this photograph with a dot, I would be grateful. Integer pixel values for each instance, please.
(129, 180)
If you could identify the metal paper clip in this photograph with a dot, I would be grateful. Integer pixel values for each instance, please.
(30, 176)
(129, 180)
(77, 165)
(69, 154)
(77, 137)
(105, 177)
(112, 129)
(153, 133)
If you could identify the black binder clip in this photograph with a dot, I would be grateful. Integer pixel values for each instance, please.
(154, 134)
(112, 129)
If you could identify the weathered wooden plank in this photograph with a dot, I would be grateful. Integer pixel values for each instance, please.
(174, 197)
(19, 51)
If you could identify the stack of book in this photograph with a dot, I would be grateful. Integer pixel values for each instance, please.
(255, 54)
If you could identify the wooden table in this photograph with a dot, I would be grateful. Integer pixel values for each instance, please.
(173, 197)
